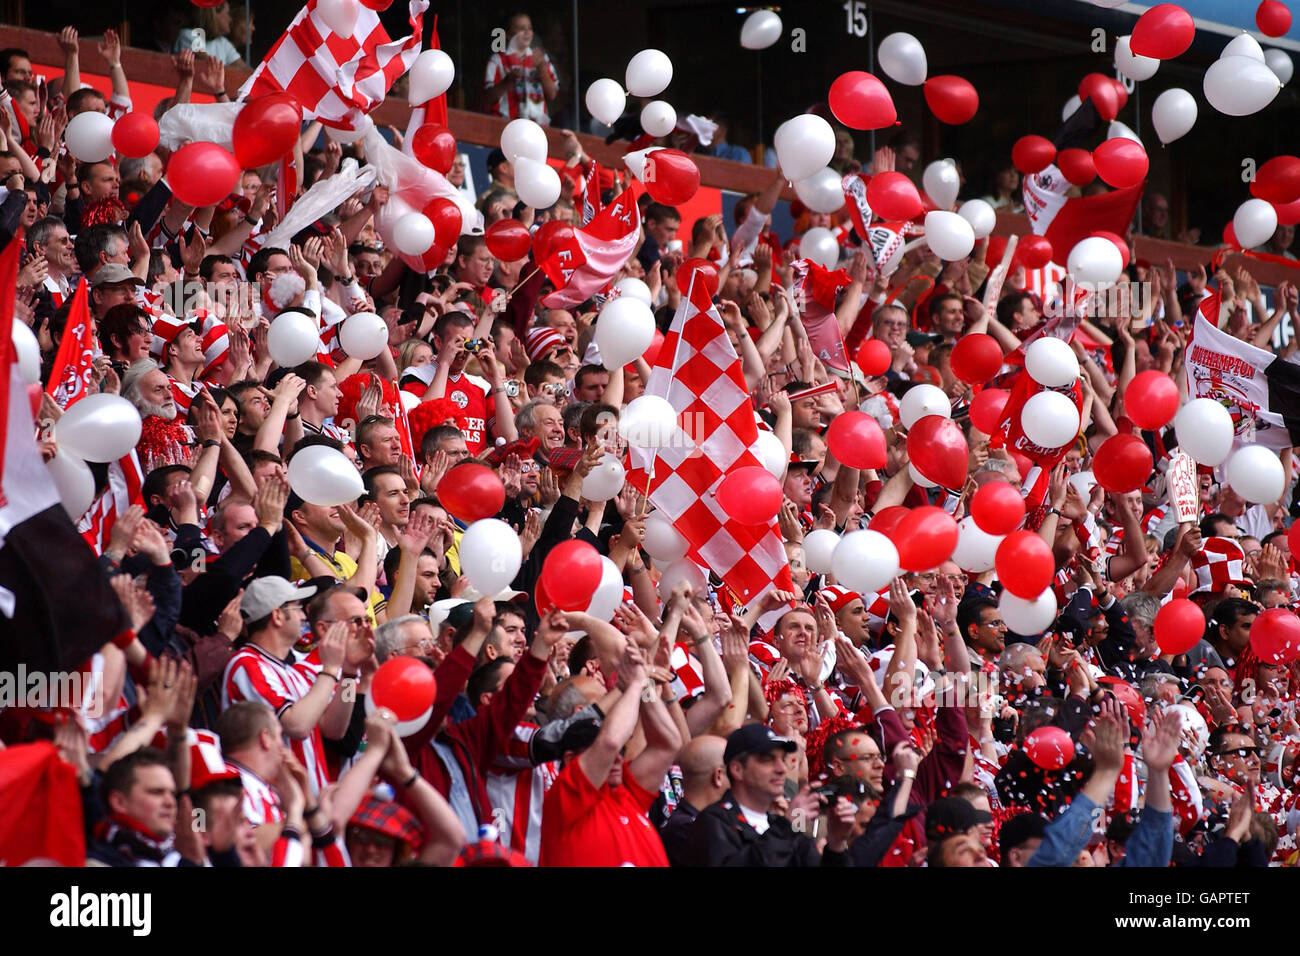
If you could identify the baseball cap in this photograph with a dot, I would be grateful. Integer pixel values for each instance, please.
(797, 462)
(440, 610)
(755, 739)
(915, 338)
(951, 815)
(266, 594)
(111, 273)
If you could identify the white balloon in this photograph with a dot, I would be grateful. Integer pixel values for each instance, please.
(1240, 85)
(949, 236)
(1173, 115)
(609, 592)
(921, 400)
(363, 335)
(649, 421)
(624, 330)
(1118, 130)
(28, 352)
(1083, 483)
(606, 100)
(523, 137)
(89, 137)
(941, 182)
(1051, 362)
(73, 481)
(605, 479)
(819, 550)
(981, 216)
(902, 59)
(413, 234)
(490, 554)
(864, 561)
(649, 73)
(1028, 617)
(918, 478)
(1256, 473)
(772, 454)
(431, 75)
(100, 427)
(662, 541)
(1279, 61)
(1254, 222)
(804, 144)
(1095, 260)
(471, 220)
(536, 183)
(339, 15)
(1204, 430)
(630, 286)
(1072, 104)
(682, 570)
(658, 118)
(820, 246)
(1244, 45)
(1050, 420)
(761, 29)
(821, 192)
(976, 548)
(292, 339)
(324, 476)
(1133, 65)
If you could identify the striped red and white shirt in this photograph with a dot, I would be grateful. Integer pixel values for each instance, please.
(261, 802)
(184, 394)
(517, 790)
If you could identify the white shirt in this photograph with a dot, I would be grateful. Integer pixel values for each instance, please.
(755, 819)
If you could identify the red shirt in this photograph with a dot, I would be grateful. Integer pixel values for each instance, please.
(583, 826)
(469, 393)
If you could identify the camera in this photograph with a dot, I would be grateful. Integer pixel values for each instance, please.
(474, 346)
(512, 389)
(854, 788)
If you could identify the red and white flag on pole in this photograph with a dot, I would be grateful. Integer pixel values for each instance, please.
(335, 79)
(699, 373)
(74, 364)
(586, 263)
(1067, 222)
(125, 488)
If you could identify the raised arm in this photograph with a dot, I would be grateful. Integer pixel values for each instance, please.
(598, 759)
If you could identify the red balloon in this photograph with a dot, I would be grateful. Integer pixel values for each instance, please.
(266, 129)
(1098, 88)
(750, 495)
(471, 492)
(405, 686)
(855, 439)
(976, 358)
(1121, 94)
(926, 538)
(893, 196)
(1288, 214)
(874, 357)
(1180, 588)
(1164, 32)
(135, 135)
(377, 5)
(1121, 162)
(542, 600)
(1293, 539)
(886, 521)
(1033, 154)
(508, 240)
(1179, 625)
(1230, 236)
(1117, 241)
(1076, 166)
(1025, 564)
(707, 271)
(1273, 18)
(1151, 400)
(1127, 695)
(202, 174)
(1122, 464)
(571, 574)
(1049, 748)
(671, 177)
(1275, 636)
(1023, 464)
(938, 449)
(952, 99)
(1034, 252)
(997, 508)
(445, 216)
(986, 409)
(435, 147)
(550, 237)
(1277, 181)
(860, 101)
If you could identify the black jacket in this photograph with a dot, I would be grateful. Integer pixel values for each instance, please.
(721, 836)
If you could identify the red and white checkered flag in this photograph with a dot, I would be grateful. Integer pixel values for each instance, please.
(698, 372)
(336, 80)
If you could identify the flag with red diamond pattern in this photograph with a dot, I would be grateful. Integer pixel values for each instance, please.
(698, 372)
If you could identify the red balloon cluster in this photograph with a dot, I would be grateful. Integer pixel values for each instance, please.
(471, 492)
(570, 575)
(705, 269)
(1049, 748)
(1151, 400)
(266, 129)
(202, 174)
(1278, 181)
(1120, 162)
(1034, 252)
(1099, 88)
(135, 135)
(1033, 154)
(860, 101)
(405, 686)
(986, 409)
(671, 177)
(952, 99)
(1163, 32)
(1122, 464)
(938, 449)
(508, 240)
(1273, 18)
(1275, 636)
(925, 537)
(873, 357)
(976, 358)
(892, 195)
(1178, 626)
(1077, 166)
(750, 495)
(1025, 564)
(997, 508)
(435, 147)
(855, 439)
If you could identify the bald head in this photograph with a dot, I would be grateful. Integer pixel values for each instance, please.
(573, 695)
(701, 757)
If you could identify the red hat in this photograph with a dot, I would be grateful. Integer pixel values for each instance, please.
(207, 765)
(165, 329)
(542, 339)
(216, 346)
(838, 596)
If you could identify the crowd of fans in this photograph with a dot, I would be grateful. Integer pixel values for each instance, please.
(843, 730)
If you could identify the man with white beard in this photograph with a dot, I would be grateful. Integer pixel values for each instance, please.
(165, 439)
